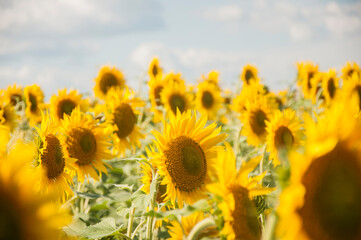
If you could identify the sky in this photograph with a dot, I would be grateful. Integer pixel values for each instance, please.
(64, 43)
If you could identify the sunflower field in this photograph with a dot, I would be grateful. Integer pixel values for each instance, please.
(181, 161)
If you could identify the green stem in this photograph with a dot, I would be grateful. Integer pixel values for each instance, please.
(130, 222)
(199, 227)
(152, 204)
(138, 227)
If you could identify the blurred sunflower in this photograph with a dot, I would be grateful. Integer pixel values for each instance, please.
(323, 198)
(174, 96)
(65, 103)
(34, 100)
(352, 90)
(24, 214)
(55, 166)
(249, 74)
(349, 69)
(248, 93)
(173, 78)
(208, 99)
(155, 71)
(8, 115)
(108, 78)
(85, 141)
(254, 120)
(284, 133)
(156, 85)
(186, 224)
(306, 72)
(121, 118)
(13, 94)
(186, 155)
(212, 78)
(316, 92)
(330, 86)
(237, 190)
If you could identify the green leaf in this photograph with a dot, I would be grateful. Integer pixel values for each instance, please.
(75, 228)
(102, 229)
(125, 186)
(91, 195)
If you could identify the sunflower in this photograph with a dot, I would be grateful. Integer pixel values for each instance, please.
(284, 133)
(24, 214)
(8, 115)
(316, 92)
(155, 71)
(34, 100)
(349, 69)
(55, 166)
(156, 85)
(323, 198)
(186, 224)
(87, 142)
(14, 94)
(173, 78)
(108, 78)
(4, 139)
(121, 118)
(254, 118)
(249, 92)
(306, 72)
(212, 78)
(352, 90)
(330, 86)
(237, 191)
(65, 103)
(174, 96)
(186, 155)
(249, 74)
(208, 99)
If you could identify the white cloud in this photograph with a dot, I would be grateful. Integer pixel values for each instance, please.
(229, 15)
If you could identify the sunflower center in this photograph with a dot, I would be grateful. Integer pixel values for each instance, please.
(207, 99)
(125, 120)
(332, 207)
(107, 81)
(155, 71)
(52, 157)
(177, 101)
(157, 92)
(249, 75)
(66, 106)
(331, 87)
(283, 138)
(227, 100)
(245, 222)
(33, 103)
(258, 123)
(82, 145)
(14, 99)
(186, 163)
(309, 77)
(350, 72)
(10, 221)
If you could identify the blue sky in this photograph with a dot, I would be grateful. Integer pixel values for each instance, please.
(63, 43)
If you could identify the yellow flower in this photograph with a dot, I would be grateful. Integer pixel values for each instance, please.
(34, 99)
(249, 74)
(174, 95)
(330, 86)
(24, 214)
(173, 78)
(254, 120)
(237, 190)
(323, 198)
(187, 224)
(349, 69)
(212, 79)
(155, 71)
(65, 103)
(121, 119)
(108, 78)
(4, 139)
(208, 99)
(351, 90)
(54, 165)
(8, 117)
(249, 92)
(306, 71)
(13, 94)
(85, 141)
(186, 155)
(156, 85)
(284, 133)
